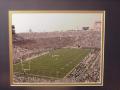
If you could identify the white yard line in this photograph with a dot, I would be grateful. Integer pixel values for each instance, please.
(33, 57)
(37, 56)
(38, 75)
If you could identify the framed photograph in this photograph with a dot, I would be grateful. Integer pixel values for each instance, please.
(56, 47)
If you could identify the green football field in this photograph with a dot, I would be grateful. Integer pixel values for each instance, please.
(55, 64)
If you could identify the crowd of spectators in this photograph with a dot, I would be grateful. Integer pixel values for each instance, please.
(88, 69)
(29, 44)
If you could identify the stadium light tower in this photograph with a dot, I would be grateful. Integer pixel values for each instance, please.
(29, 34)
(13, 29)
(30, 30)
(97, 25)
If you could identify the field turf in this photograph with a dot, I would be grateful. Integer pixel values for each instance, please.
(55, 64)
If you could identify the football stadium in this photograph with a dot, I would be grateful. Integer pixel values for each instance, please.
(64, 57)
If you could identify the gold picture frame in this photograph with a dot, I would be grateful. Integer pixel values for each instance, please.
(100, 83)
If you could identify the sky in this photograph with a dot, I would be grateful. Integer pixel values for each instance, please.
(48, 22)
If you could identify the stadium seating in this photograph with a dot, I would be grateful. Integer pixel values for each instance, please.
(29, 45)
